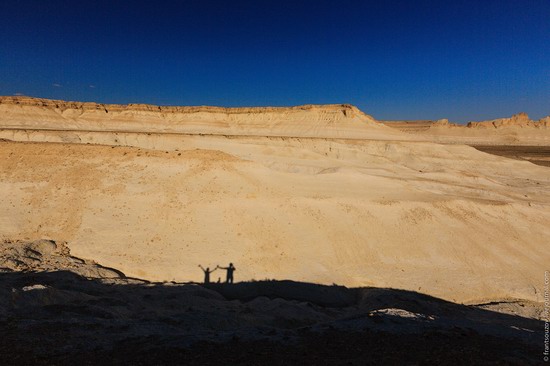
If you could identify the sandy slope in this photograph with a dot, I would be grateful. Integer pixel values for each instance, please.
(444, 220)
(449, 221)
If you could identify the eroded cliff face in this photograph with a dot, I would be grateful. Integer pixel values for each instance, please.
(346, 109)
(326, 121)
(517, 120)
(516, 130)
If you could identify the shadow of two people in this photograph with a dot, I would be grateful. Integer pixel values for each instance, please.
(229, 273)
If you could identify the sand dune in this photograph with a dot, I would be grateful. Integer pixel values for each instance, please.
(445, 220)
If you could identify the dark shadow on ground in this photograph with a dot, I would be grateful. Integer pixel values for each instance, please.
(63, 318)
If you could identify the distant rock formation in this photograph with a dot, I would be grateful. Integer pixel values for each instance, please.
(517, 120)
(516, 130)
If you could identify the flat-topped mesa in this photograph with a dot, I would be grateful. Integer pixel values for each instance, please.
(418, 125)
(62, 105)
(327, 121)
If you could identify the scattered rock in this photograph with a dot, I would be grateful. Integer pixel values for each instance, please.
(34, 287)
(47, 255)
(44, 246)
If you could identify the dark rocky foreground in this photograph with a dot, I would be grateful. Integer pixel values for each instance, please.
(61, 318)
(56, 309)
(457, 347)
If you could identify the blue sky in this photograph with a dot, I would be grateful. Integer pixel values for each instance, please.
(395, 59)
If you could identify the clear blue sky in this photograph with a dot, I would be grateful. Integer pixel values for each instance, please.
(395, 59)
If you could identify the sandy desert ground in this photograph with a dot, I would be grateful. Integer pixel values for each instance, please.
(316, 194)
